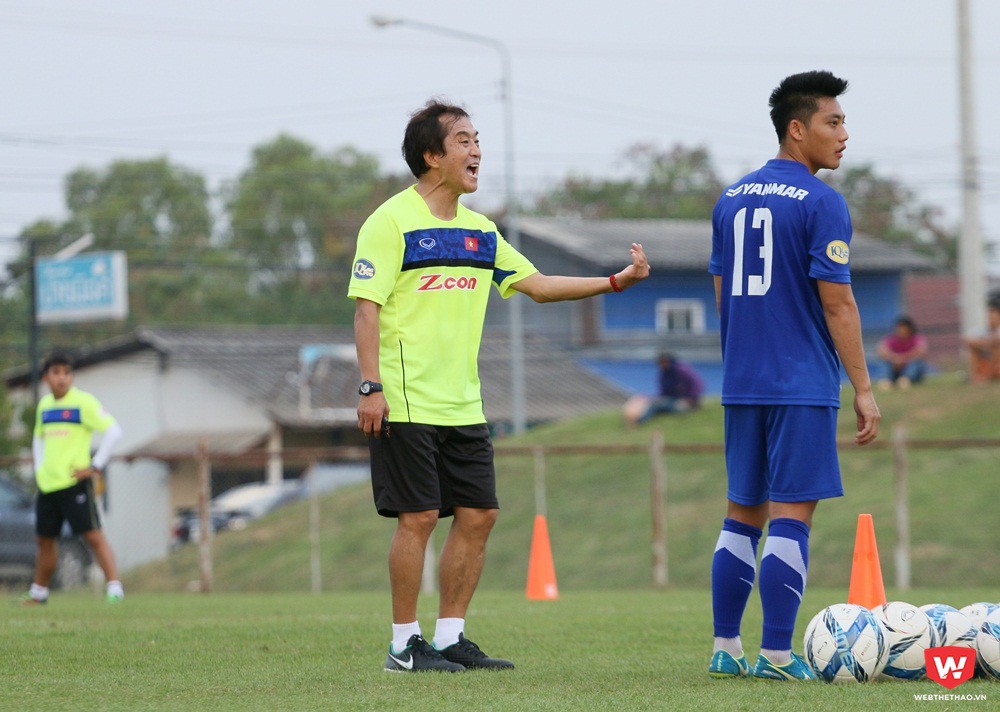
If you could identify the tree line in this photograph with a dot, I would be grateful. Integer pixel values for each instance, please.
(274, 245)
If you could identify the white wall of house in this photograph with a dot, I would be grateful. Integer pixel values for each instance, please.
(137, 519)
(151, 404)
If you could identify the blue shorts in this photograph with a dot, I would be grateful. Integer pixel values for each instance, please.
(782, 453)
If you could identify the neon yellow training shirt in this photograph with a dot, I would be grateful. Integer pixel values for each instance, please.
(65, 427)
(432, 278)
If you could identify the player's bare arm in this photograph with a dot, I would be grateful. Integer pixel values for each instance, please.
(556, 288)
(373, 407)
(844, 322)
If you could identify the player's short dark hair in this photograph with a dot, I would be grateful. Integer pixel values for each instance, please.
(59, 358)
(426, 131)
(798, 95)
(908, 323)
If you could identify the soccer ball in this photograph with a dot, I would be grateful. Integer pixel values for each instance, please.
(908, 634)
(845, 643)
(951, 626)
(988, 642)
(977, 612)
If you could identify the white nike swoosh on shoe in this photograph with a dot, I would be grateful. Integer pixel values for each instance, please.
(408, 664)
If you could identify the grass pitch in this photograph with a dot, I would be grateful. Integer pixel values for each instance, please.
(594, 650)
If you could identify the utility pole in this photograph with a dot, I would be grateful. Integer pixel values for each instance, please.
(32, 321)
(971, 278)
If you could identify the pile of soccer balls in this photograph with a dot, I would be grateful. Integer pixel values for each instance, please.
(849, 643)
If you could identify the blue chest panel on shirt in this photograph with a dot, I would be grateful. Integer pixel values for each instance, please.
(61, 415)
(449, 247)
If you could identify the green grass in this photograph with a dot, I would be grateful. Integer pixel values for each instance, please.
(599, 510)
(592, 650)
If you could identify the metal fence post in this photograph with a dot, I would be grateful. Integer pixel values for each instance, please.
(658, 487)
(902, 508)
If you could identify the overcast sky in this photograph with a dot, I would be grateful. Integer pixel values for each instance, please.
(204, 81)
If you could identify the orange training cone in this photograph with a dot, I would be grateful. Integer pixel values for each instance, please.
(541, 570)
(867, 588)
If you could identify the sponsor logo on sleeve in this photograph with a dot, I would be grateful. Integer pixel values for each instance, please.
(363, 269)
(839, 252)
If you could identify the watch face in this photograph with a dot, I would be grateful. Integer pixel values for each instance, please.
(366, 388)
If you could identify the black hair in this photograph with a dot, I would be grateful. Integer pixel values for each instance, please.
(426, 131)
(59, 358)
(798, 95)
(907, 322)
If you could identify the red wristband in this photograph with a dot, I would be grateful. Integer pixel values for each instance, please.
(614, 284)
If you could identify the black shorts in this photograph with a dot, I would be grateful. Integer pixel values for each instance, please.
(75, 504)
(417, 468)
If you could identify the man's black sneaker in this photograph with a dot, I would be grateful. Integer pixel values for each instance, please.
(418, 656)
(467, 653)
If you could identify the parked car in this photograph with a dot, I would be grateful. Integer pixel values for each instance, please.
(18, 542)
(235, 507)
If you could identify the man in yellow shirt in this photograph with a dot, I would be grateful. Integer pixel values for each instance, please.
(65, 472)
(422, 275)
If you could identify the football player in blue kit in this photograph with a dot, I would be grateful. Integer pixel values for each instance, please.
(781, 264)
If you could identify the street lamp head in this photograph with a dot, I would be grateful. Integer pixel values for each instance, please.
(384, 20)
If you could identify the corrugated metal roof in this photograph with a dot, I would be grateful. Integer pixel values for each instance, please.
(686, 244)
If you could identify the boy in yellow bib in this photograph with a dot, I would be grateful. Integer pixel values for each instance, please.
(65, 473)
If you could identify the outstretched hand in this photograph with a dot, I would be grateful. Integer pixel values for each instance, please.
(635, 272)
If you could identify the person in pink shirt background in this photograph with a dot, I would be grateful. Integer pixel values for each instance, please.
(903, 353)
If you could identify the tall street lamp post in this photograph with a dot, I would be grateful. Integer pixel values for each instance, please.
(518, 407)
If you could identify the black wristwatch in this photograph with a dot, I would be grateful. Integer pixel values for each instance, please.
(368, 387)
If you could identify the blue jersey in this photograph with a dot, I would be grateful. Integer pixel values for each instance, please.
(774, 234)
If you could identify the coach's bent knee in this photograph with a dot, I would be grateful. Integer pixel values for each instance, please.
(422, 523)
(479, 521)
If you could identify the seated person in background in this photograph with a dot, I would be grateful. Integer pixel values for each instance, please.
(984, 352)
(680, 390)
(903, 352)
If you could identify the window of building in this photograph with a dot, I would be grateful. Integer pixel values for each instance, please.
(680, 316)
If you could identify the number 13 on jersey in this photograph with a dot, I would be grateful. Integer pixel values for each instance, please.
(757, 285)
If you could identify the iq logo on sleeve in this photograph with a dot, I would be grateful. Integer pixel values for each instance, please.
(839, 252)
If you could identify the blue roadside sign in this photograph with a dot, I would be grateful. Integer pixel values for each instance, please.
(87, 287)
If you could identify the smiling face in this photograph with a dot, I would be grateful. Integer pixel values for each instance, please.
(822, 139)
(458, 167)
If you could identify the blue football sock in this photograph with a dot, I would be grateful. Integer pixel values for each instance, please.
(733, 569)
(783, 567)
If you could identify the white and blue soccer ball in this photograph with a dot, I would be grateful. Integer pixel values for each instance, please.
(977, 612)
(909, 633)
(988, 645)
(846, 643)
(951, 626)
